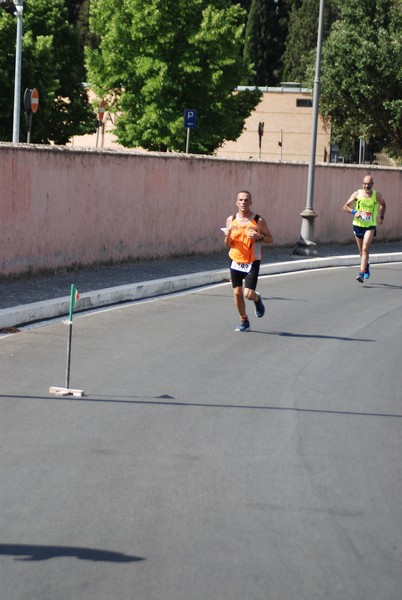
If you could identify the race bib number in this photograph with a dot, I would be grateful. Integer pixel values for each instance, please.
(366, 216)
(243, 267)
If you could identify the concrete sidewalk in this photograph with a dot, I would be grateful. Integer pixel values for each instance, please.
(28, 299)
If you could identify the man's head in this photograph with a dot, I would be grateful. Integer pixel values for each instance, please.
(243, 199)
(368, 182)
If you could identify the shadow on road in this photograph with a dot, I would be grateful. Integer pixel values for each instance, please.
(28, 552)
(171, 401)
(314, 336)
(167, 400)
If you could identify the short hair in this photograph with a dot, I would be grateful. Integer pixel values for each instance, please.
(245, 192)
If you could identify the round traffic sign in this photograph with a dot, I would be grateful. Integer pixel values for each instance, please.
(34, 100)
(101, 110)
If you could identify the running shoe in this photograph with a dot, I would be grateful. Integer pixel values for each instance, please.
(259, 307)
(367, 272)
(360, 277)
(244, 326)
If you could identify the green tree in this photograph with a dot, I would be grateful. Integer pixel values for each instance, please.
(265, 39)
(243, 3)
(78, 15)
(52, 62)
(73, 8)
(301, 41)
(361, 93)
(157, 57)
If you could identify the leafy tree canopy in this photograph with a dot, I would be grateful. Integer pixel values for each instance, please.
(244, 3)
(78, 15)
(265, 38)
(157, 57)
(52, 62)
(361, 91)
(301, 40)
(73, 8)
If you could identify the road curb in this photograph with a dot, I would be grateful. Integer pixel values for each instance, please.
(58, 307)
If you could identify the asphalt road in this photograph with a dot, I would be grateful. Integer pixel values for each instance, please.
(207, 464)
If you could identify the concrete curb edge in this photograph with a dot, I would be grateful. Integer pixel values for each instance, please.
(58, 307)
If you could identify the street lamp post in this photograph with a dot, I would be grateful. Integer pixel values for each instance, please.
(16, 10)
(306, 245)
(19, 9)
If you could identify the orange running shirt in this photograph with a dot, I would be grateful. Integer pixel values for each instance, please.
(244, 250)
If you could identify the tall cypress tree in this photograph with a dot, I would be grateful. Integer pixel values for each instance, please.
(301, 41)
(265, 40)
(73, 7)
(243, 3)
(78, 15)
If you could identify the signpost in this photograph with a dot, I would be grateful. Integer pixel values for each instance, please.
(190, 121)
(99, 123)
(34, 100)
(260, 134)
(31, 105)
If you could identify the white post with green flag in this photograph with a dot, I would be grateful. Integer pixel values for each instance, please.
(59, 391)
(74, 296)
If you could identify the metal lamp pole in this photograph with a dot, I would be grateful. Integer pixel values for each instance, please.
(19, 8)
(306, 245)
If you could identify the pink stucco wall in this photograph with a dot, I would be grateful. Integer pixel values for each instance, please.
(62, 206)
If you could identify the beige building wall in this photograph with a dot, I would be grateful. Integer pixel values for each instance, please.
(287, 129)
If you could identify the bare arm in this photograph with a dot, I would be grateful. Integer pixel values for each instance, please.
(228, 239)
(261, 233)
(263, 229)
(383, 206)
(348, 206)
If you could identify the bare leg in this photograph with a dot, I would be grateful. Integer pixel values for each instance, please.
(359, 242)
(239, 301)
(366, 243)
(251, 294)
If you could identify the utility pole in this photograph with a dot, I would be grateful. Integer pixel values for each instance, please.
(16, 10)
(306, 245)
(19, 5)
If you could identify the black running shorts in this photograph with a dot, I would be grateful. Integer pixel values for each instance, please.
(250, 279)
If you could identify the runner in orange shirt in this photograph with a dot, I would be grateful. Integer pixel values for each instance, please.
(245, 232)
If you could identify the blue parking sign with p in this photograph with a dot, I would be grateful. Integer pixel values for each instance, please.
(190, 118)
